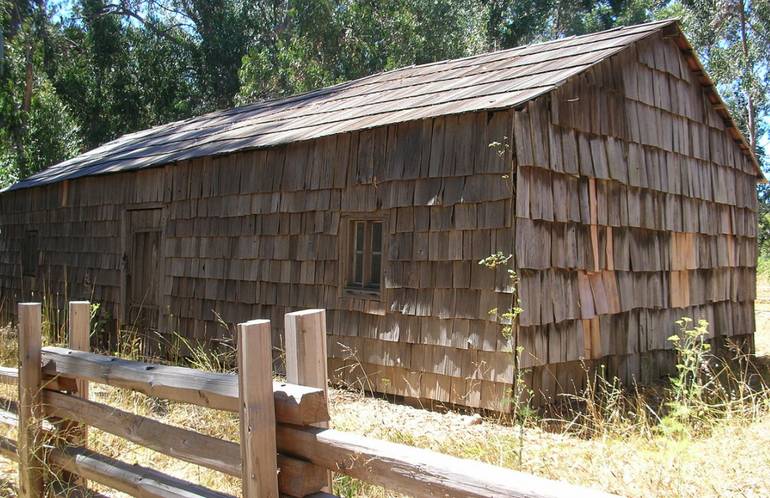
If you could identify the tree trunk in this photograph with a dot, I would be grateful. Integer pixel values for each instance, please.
(748, 71)
(26, 105)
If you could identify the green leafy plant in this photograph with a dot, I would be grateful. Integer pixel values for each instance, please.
(710, 388)
(692, 354)
(508, 317)
(521, 395)
(689, 386)
(522, 412)
(500, 147)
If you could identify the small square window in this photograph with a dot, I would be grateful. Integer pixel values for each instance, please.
(365, 256)
(29, 253)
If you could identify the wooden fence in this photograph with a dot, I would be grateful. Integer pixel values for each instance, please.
(286, 446)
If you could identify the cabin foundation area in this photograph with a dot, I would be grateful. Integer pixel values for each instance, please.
(603, 170)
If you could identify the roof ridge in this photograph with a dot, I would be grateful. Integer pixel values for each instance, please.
(292, 97)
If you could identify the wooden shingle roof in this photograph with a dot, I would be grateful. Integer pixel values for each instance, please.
(495, 80)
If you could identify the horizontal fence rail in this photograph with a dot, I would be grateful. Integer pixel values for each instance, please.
(190, 446)
(294, 404)
(9, 376)
(131, 479)
(294, 417)
(416, 471)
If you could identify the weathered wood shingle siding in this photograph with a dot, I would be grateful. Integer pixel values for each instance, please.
(634, 207)
(255, 234)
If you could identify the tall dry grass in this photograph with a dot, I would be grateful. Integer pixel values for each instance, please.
(704, 433)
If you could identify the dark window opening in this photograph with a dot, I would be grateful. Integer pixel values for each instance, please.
(365, 255)
(29, 253)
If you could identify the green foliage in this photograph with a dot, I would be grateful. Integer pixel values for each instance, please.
(763, 266)
(38, 127)
(500, 148)
(522, 411)
(763, 221)
(521, 395)
(316, 43)
(53, 134)
(120, 77)
(708, 388)
(690, 381)
(494, 260)
(511, 23)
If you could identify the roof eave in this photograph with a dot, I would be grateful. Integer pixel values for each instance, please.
(709, 87)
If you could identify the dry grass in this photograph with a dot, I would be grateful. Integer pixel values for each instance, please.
(731, 458)
(733, 461)
(762, 312)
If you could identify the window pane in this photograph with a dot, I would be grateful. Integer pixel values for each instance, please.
(366, 241)
(377, 237)
(375, 275)
(358, 276)
(376, 254)
(358, 254)
(359, 236)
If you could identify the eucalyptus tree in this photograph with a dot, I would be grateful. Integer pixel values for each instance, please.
(36, 125)
(305, 44)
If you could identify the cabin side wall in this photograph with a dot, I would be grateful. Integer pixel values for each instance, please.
(634, 208)
(257, 234)
(61, 241)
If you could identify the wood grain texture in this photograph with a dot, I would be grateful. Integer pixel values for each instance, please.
(293, 404)
(134, 480)
(199, 449)
(79, 336)
(9, 418)
(306, 348)
(9, 376)
(416, 472)
(30, 432)
(8, 449)
(305, 335)
(255, 376)
(299, 478)
(295, 478)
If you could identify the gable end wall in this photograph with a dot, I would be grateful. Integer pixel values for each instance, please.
(634, 208)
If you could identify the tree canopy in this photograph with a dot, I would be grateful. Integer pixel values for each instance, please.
(77, 73)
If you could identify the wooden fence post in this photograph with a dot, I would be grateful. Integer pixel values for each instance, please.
(306, 348)
(80, 335)
(257, 407)
(79, 340)
(306, 359)
(30, 447)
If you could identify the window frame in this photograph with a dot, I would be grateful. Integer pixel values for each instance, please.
(349, 255)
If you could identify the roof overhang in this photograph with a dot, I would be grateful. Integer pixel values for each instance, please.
(674, 32)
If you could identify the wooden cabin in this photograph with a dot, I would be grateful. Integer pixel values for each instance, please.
(606, 164)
